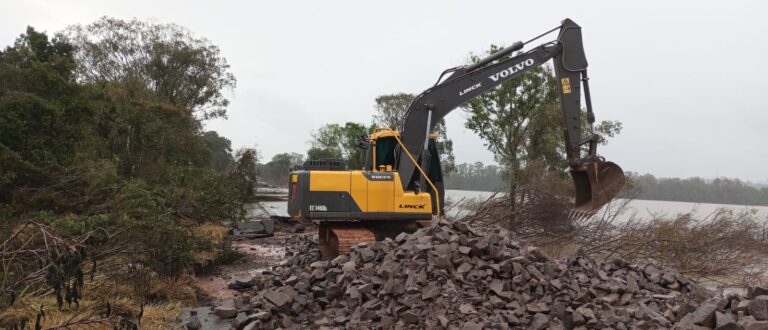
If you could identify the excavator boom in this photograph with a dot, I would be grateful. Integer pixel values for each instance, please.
(401, 187)
(596, 181)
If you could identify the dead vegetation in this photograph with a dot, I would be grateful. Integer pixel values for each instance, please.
(725, 246)
(51, 280)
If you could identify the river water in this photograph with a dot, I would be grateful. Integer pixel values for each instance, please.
(639, 208)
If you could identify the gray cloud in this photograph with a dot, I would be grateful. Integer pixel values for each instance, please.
(686, 79)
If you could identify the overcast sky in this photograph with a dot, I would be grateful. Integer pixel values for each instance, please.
(687, 80)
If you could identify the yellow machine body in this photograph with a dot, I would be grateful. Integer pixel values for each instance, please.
(370, 194)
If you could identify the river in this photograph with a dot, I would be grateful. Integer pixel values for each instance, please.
(641, 209)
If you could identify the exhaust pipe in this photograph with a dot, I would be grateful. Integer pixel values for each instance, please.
(597, 183)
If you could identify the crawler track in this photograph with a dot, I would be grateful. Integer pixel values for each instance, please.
(338, 237)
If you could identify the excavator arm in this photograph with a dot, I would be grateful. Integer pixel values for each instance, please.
(596, 181)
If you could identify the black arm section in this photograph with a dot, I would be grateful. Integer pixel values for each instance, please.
(467, 82)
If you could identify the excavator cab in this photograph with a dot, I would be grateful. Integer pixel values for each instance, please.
(597, 183)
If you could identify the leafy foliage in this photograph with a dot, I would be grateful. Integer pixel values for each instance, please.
(339, 142)
(276, 170)
(521, 123)
(104, 164)
(245, 170)
(163, 61)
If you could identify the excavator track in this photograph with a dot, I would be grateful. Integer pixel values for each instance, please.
(338, 237)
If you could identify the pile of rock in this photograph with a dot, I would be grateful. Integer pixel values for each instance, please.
(301, 251)
(451, 276)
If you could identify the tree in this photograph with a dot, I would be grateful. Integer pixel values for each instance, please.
(104, 167)
(164, 60)
(38, 94)
(246, 171)
(390, 112)
(219, 151)
(521, 123)
(276, 171)
(336, 141)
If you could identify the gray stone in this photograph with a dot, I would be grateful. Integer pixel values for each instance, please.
(539, 321)
(758, 307)
(321, 264)
(730, 326)
(256, 228)
(240, 321)
(496, 286)
(754, 291)
(467, 309)
(758, 325)
(278, 299)
(461, 226)
(366, 254)
(705, 315)
(472, 326)
(411, 317)
(260, 315)
(742, 305)
(241, 283)
(721, 319)
(193, 323)
(225, 312)
(535, 272)
(443, 320)
(430, 291)
(349, 267)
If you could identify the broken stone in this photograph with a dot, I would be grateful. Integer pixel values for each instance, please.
(241, 283)
(467, 309)
(225, 312)
(483, 278)
(240, 321)
(754, 291)
(194, 322)
(261, 315)
(705, 315)
(349, 267)
(278, 299)
(758, 307)
(721, 319)
(539, 321)
(411, 317)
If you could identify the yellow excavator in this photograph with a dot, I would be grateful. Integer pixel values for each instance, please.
(401, 185)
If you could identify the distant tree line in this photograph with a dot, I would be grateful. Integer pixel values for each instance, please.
(275, 171)
(476, 176)
(481, 177)
(699, 190)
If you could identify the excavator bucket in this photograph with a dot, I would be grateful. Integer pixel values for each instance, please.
(597, 183)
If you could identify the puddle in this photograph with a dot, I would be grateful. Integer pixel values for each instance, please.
(261, 254)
